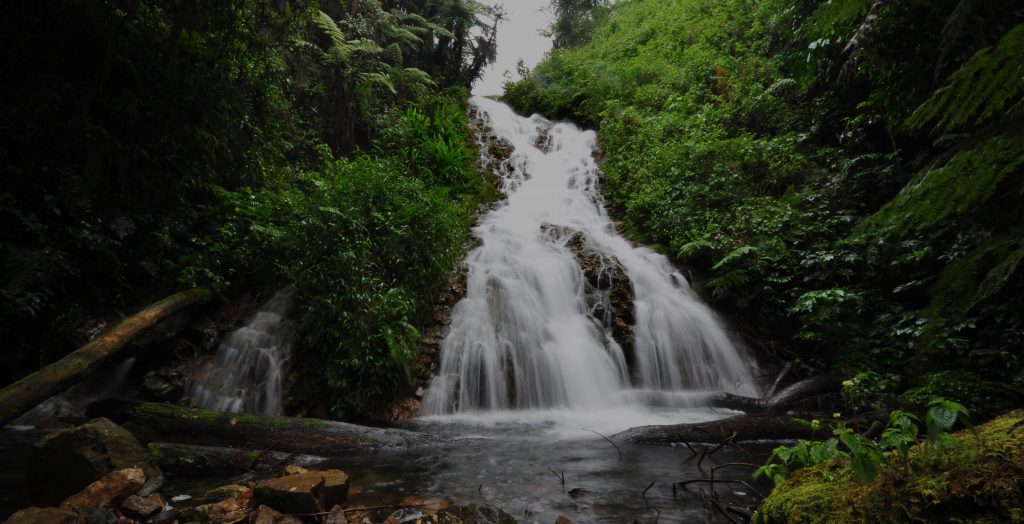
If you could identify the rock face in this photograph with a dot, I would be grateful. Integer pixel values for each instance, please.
(114, 486)
(67, 461)
(309, 492)
(607, 289)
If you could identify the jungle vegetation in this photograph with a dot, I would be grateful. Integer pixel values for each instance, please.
(843, 176)
(150, 146)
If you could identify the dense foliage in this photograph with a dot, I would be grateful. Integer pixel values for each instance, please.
(245, 146)
(847, 174)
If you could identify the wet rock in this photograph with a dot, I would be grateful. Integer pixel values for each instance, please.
(114, 486)
(405, 516)
(229, 491)
(160, 388)
(165, 516)
(98, 516)
(265, 515)
(577, 492)
(308, 492)
(476, 514)
(428, 505)
(43, 515)
(67, 461)
(292, 469)
(143, 506)
(336, 516)
(563, 520)
(230, 510)
(607, 288)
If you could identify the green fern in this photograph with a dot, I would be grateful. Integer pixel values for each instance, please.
(990, 84)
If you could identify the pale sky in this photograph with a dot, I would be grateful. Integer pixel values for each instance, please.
(518, 37)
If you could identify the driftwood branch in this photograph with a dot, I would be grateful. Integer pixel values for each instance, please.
(783, 400)
(28, 392)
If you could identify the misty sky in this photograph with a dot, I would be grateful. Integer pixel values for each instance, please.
(518, 37)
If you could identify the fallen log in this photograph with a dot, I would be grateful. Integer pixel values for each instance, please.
(152, 422)
(783, 400)
(28, 392)
(188, 459)
(737, 428)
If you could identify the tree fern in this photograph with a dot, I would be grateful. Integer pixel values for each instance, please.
(990, 84)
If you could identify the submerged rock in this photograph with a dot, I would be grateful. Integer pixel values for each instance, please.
(476, 514)
(67, 461)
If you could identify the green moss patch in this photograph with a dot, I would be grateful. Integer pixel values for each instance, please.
(978, 479)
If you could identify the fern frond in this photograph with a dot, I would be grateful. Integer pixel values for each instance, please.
(329, 27)
(379, 79)
(988, 85)
(418, 76)
(736, 254)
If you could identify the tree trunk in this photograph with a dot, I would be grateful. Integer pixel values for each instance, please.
(152, 422)
(739, 427)
(28, 392)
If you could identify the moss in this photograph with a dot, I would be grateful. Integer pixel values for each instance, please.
(978, 479)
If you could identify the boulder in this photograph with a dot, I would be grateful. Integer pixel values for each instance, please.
(292, 469)
(474, 514)
(43, 515)
(143, 506)
(265, 515)
(114, 486)
(67, 461)
(309, 492)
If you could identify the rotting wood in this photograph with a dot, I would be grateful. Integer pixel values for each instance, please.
(30, 391)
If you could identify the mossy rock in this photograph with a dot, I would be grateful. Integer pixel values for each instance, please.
(980, 479)
(67, 461)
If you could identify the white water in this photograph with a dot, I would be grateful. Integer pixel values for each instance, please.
(522, 339)
(247, 373)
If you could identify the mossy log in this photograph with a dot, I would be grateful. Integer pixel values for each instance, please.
(783, 400)
(188, 459)
(737, 428)
(28, 392)
(152, 422)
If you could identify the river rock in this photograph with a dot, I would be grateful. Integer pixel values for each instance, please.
(475, 514)
(43, 515)
(67, 461)
(114, 486)
(292, 469)
(563, 520)
(309, 492)
(230, 510)
(229, 491)
(143, 506)
(336, 516)
(266, 515)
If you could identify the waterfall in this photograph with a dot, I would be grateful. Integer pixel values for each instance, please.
(246, 374)
(537, 328)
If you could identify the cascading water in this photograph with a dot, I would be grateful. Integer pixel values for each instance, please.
(246, 374)
(534, 332)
